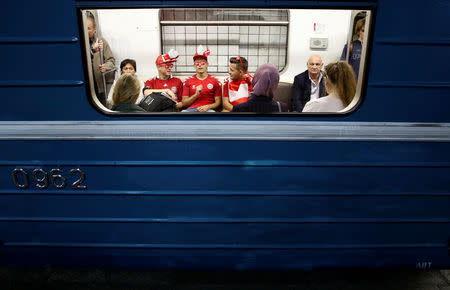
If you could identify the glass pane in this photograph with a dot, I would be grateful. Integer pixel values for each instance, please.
(181, 14)
(261, 37)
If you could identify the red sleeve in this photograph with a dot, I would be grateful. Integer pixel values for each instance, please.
(180, 91)
(225, 90)
(148, 84)
(218, 90)
(186, 89)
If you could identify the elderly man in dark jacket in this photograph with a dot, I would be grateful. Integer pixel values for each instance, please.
(309, 84)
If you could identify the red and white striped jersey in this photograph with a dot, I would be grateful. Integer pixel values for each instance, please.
(238, 91)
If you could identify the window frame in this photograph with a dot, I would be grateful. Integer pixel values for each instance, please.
(361, 86)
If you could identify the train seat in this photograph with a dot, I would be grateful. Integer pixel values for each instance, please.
(283, 93)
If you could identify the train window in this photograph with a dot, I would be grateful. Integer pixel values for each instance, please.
(298, 43)
(258, 35)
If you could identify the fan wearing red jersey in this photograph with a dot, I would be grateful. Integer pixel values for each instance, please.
(164, 82)
(238, 86)
(201, 92)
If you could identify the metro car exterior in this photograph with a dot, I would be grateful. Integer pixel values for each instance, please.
(82, 187)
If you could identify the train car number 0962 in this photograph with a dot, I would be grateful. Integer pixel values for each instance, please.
(43, 178)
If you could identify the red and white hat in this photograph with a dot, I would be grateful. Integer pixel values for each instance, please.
(171, 56)
(202, 53)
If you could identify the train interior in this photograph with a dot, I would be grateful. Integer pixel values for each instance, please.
(285, 38)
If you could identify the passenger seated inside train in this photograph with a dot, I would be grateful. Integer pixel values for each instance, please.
(265, 82)
(340, 84)
(164, 82)
(238, 85)
(202, 92)
(126, 66)
(126, 92)
(309, 85)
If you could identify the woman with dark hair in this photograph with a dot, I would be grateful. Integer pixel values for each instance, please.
(265, 82)
(126, 66)
(126, 93)
(340, 85)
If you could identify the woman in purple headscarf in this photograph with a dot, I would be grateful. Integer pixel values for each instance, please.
(264, 83)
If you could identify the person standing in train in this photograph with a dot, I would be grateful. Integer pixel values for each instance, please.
(308, 85)
(340, 84)
(108, 61)
(355, 47)
(202, 92)
(165, 82)
(238, 85)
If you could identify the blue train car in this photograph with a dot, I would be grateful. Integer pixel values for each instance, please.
(82, 185)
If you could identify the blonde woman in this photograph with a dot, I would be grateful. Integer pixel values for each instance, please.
(340, 85)
(126, 92)
(126, 66)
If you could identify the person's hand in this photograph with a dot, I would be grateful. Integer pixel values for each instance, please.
(97, 45)
(179, 105)
(147, 92)
(203, 108)
(171, 94)
(102, 68)
(198, 90)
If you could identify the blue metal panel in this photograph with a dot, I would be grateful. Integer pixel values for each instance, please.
(227, 204)
(385, 101)
(305, 179)
(225, 235)
(39, 19)
(393, 69)
(32, 99)
(50, 65)
(375, 198)
(238, 153)
(222, 207)
(410, 21)
(226, 259)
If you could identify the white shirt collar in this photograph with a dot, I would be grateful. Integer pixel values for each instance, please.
(320, 78)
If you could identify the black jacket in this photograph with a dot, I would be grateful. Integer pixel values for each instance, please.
(260, 104)
(301, 91)
(127, 107)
